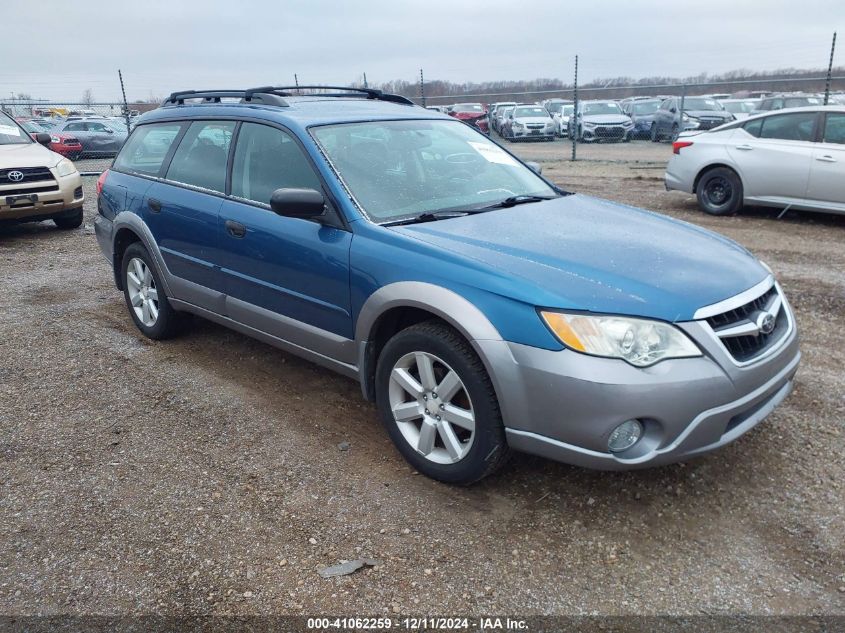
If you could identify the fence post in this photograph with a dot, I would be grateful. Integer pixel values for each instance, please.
(574, 118)
(422, 88)
(125, 105)
(829, 70)
(681, 112)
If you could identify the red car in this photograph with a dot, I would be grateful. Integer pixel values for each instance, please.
(474, 114)
(60, 142)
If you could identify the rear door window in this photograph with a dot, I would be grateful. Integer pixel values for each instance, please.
(266, 159)
(789, 127)
(200, 160)
(147, 148)
(834, 128)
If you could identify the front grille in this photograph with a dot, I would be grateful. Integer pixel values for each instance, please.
(535, 126)
(709, 124)
(26, 191)
(30, 174)
(738, 329)
(610, 132)
(70, 140)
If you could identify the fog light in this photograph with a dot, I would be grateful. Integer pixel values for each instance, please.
(624, 436)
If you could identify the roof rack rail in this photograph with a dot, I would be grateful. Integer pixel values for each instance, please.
(297, 91)
(216, 96)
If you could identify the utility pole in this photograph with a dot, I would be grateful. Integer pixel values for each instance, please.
(829, 70)
(422, 88)
(296, 80)
(365, 81)
(574, 117)
(125, 105)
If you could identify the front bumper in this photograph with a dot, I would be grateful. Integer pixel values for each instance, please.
(564, 405)
(52, 198)
(539, 134)
(606, 133)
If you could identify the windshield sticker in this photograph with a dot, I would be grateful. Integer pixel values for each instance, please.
(493, 154)
(8, 130)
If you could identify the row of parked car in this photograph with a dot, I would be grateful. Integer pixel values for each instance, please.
(657, 118)
(84, 136)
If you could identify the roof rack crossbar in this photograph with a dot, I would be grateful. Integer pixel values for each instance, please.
(215, 96)
(294, 91)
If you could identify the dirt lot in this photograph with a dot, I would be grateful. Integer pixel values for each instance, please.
(203, 475)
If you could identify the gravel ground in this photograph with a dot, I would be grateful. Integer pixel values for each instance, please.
(203, 476)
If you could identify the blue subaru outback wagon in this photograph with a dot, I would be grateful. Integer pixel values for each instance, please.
(481, 307)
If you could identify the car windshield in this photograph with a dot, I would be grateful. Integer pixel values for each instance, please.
(555, 108)
(797, 102)
(567, 110)
(739, 107)
(699, 103)
(467, 107)
(400, 169)
(32, 126)
(646, 107)
(11, 133)
(507, 111)
(602, 108)
(530, 111)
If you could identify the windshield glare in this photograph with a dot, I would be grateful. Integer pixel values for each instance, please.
(602, 108)
(400, 169)
(10, 132)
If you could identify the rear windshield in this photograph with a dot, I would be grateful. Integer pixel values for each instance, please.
(10, 132)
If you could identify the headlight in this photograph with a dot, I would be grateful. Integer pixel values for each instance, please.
(588, 124)
(55, 139)
(628, 123)
(65, 168)
(550, 124)
(685, 116)
(518, 125)
(641, 342)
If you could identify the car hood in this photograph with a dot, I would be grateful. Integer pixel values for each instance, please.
(584, 253)
(29, 155)
(533, 119)
(604, 118)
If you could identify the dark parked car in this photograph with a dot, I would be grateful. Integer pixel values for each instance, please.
(97, 137)
(700, 113)
(641, 112)
(779, 102)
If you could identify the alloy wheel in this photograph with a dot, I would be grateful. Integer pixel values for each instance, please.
(431, 407)
(143, 294)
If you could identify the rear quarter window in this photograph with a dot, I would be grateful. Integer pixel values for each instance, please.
(200, 160)
(147, 148)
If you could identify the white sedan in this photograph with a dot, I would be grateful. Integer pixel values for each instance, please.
(787, 158)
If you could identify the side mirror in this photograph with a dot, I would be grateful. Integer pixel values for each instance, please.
(109, 130)
(673, 110)
(535, 167)
(42, 138)
(298, 203)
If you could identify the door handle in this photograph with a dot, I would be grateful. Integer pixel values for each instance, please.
(235, 229)
(826, 159)
(154, 205)
(744, 147)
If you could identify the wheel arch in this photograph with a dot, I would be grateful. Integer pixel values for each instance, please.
(399, 305)
(128, 229)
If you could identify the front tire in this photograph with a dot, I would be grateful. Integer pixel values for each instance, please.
(69, 222)
(145, 297)
(719, 192)
(655, 133)
(438, 404)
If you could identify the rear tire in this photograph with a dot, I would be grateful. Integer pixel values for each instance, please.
(654, 133)
(719, 191)
(455, 436)
(145, 297)
(675, 132)
(69, 222)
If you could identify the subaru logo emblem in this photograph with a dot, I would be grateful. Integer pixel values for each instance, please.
(766, 322)
(15, 175)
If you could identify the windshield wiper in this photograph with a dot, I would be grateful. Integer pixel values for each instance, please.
(429, 216)
(512, 201)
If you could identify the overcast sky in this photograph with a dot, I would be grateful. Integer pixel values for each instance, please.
(56, 49)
